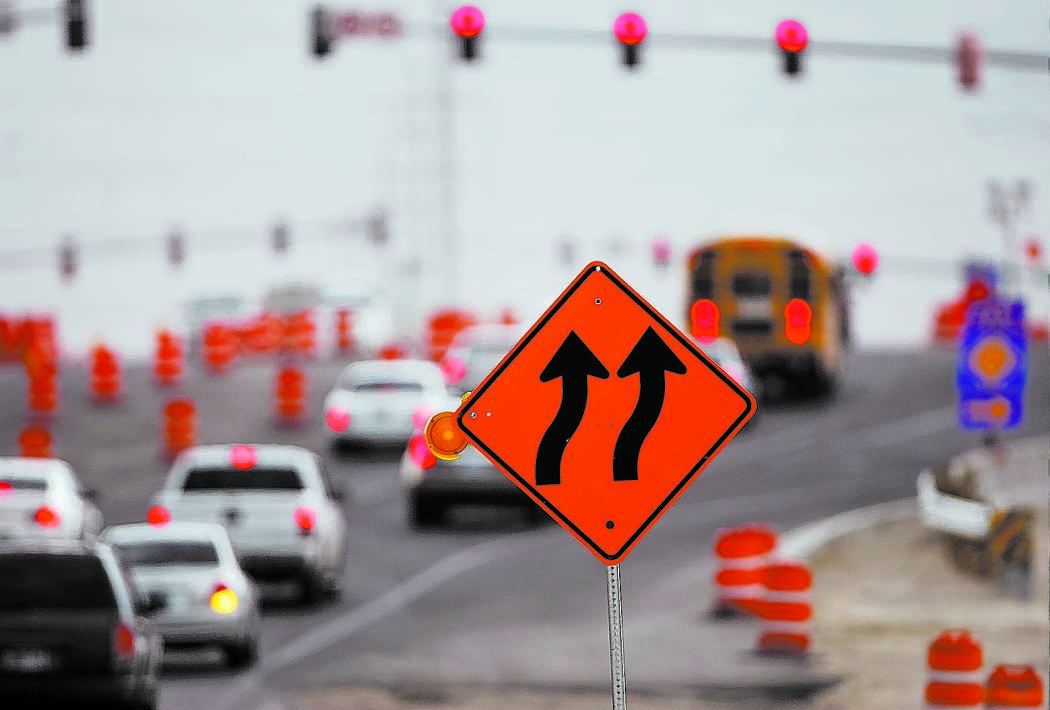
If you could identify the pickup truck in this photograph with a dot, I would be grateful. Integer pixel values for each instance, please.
(282, 513)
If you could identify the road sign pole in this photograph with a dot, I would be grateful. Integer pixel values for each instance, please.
(619, 674)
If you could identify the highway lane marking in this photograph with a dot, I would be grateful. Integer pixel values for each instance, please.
(913, 427)
(396, 598)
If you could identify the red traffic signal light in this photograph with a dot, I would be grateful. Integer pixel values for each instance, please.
(793, 38)
(630, 31)
(865, 259)
(969, 58)
(467, 22)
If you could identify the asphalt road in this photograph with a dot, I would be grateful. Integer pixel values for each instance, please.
(491, 599)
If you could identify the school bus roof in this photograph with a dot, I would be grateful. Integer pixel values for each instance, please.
(759, 243)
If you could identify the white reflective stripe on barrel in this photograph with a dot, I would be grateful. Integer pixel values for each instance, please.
(956, 677)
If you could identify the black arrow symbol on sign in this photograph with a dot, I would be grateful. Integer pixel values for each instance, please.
(650, 358)
(573, 363)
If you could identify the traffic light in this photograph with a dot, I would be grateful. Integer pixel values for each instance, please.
(77, 28)
(281, 237)
(467, 22)
(378, 230)
(630, 30)
(792, 37)
(865, 259)
(176, 248)
(67, 258)
(969, 58)
(320, 32)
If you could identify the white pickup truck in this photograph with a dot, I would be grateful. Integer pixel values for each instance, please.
(283, 515)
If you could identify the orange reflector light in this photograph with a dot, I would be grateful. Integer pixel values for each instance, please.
(798, 315)
(158, 516)
(47, 517)
(223, 600)
(444, 437)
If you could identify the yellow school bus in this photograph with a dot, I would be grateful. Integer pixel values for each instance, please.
(782, 303)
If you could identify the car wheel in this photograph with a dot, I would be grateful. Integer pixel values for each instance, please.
(242, 655)
(424, 513)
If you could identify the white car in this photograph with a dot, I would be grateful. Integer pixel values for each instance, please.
(283, 515)
(190, 573)
(725, 353)
(42, 498)
(382, 402)
(475, 351)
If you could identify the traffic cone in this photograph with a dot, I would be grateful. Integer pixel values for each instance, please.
(742, 554)
(954, 677)
(290, 395)
(786, 611)
(105, 375)
(220, 348)
(180, 428)
(168, 360)
(344, 330)
(42, 372)
(35, 442)
(1014, 687)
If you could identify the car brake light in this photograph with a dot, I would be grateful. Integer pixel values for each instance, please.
(798, 317)
(123, 641)
(47, 517)
(420, 453)
(454, 369)
(420, 417)
(305, 518)
(704, 317)
(158, 515)
(6, 488)
(337, 419)
(242, 456)
(223, 599)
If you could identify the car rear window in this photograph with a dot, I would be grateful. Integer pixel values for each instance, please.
(168, 552)
(252, 479)
(45, 581)
(387, 386)
(22, 484)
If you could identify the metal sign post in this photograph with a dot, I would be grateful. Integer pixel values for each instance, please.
(616, 660)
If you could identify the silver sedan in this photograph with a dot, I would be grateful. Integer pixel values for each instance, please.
(190, 572)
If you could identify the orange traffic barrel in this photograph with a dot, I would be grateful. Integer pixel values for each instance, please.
(105, 380)
(168, 360)
(180, 426)
(290, 394)
(1012, 686)
(741, 554)
(35, 442)
(220, 347)
(786, 610)
(954, 678)
(42, 371)
(344, 330)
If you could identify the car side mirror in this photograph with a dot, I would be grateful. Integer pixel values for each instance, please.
(338, 495)
(151, 603)
(90, 494)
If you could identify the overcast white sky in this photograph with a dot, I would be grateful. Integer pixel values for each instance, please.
(211, 114)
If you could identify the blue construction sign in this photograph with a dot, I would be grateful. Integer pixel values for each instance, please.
(993, 363)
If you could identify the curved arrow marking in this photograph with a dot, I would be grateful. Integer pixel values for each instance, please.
(573, 363)
(650, 358)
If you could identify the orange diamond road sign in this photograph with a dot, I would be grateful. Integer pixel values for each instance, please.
(604, 413)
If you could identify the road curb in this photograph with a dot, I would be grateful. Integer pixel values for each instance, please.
(808, 540)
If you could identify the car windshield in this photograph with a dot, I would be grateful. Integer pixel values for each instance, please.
(386, 386)
(168, 552)
(47, 581)
(253, 479)
(490, 347)
(22, 484)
